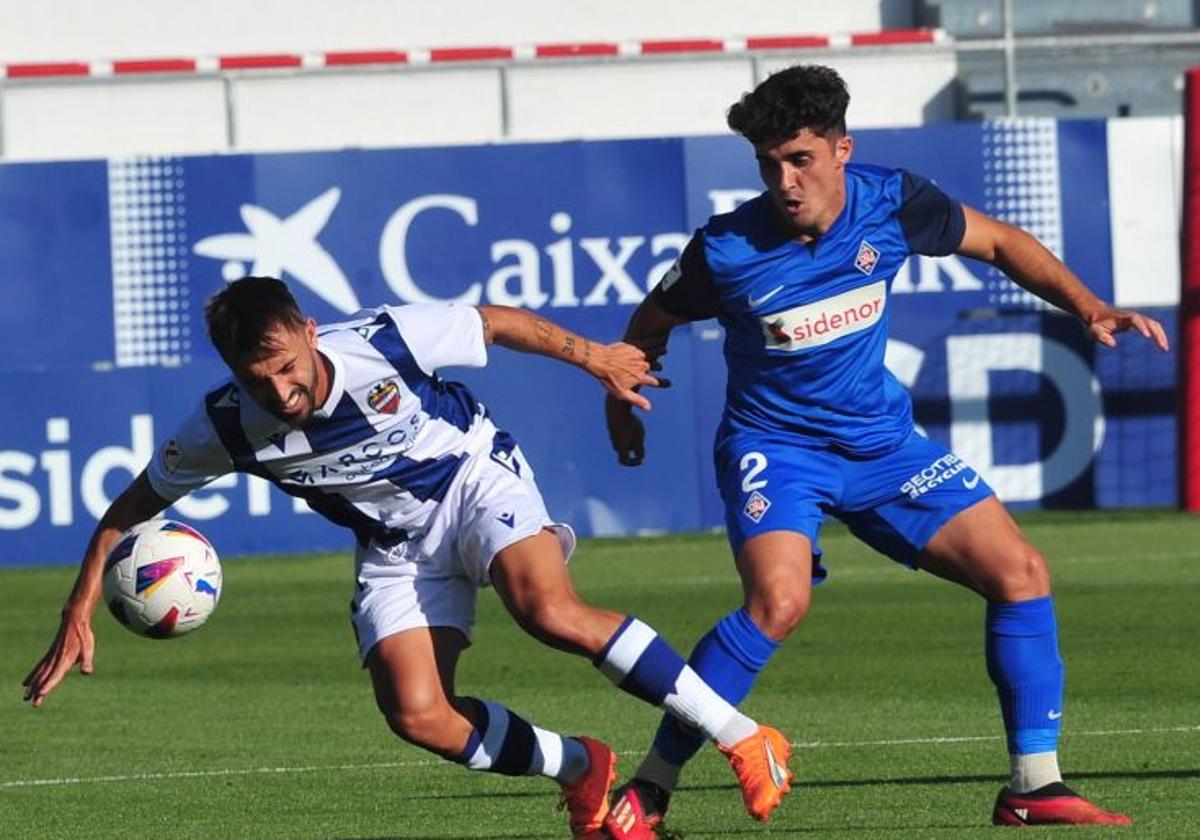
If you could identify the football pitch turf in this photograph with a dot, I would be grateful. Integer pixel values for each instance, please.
(262, 725)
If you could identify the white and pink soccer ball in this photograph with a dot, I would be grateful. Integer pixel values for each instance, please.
(162, 579)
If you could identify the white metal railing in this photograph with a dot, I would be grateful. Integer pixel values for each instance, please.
(504, 58)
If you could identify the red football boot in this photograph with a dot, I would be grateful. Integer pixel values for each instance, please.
(586, 800)
(637, 811)
(1053, 804)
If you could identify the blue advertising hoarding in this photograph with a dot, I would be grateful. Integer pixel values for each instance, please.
(106, 267)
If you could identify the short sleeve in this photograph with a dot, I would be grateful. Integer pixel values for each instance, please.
(687, 289)
(442, 335)
(191, 458)
(933, 222)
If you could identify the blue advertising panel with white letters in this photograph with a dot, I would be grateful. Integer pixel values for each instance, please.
(106, 267)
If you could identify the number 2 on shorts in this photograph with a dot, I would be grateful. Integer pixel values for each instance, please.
(752, 464)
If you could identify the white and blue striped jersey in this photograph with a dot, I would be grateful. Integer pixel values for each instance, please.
(378, 456)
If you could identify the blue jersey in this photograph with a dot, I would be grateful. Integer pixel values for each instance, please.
(806, 323)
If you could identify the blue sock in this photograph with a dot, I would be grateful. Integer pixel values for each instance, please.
(1023, 662)
(728, 658)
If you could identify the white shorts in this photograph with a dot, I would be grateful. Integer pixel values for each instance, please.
(431, 581)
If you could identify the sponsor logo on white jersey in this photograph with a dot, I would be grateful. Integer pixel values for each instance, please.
(815, 324)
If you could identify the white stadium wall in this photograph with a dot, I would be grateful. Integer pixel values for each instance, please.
(429, 104)
(71, 29)
(84, 120)
(443, 106)
(642, 99)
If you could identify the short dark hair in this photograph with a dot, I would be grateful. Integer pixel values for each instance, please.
(804, 96)
(240, 316)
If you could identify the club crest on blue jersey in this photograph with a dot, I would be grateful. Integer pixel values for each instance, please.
(868, 256)
(756, 506)
(384, 396)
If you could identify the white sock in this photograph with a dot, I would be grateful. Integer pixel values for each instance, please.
(1033, 771)
(739, 728)
(695, 704)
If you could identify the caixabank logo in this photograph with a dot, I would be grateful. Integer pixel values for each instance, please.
(353, 229)
(566, 226)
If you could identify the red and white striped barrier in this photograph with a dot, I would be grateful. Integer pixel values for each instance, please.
(449, 55)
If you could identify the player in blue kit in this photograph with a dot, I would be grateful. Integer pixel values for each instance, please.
(815, 424)
(355, 419)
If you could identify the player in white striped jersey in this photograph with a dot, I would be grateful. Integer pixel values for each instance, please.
(354, 418)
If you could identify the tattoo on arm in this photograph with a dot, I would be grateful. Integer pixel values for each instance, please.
(543, 329)
(569, 346)
(587, 353)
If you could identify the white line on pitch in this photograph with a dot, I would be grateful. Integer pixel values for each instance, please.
(395, 765)
(962, 739)
(198, 774)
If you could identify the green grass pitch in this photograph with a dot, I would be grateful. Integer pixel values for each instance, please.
(262, 725)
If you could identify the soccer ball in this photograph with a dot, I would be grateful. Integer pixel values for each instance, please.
(162, 579)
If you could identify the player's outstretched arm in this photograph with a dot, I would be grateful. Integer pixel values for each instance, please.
(74, 644)
(621, 368)
(649, 328)
(1033, 267)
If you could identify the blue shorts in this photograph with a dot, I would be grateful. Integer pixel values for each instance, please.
(894, 503)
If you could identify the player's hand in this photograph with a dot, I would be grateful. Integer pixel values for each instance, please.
(625, 431)
(73, 645)
(1104, 326)
(655, 347)
(622, 369)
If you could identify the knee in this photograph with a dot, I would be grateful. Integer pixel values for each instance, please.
(779, 610)
(1023, 577)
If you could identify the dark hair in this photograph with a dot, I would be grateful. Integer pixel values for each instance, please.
(240, 316)
(804, 96)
